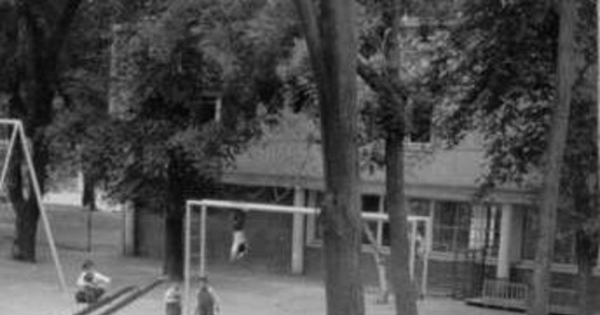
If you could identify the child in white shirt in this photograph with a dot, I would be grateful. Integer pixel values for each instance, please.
(91, 283)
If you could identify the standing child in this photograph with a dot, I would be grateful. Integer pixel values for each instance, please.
(91, 283)
(173, 300)
(208, 302)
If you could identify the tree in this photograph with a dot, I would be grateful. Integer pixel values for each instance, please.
(389, 80)
(514, 72)
(37, 33)
(332, 48)
(559, 120)
(169, 147)
(393, 117)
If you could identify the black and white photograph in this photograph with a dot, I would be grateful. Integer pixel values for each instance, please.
(299, 157)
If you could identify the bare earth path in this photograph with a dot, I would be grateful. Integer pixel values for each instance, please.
(27, 289)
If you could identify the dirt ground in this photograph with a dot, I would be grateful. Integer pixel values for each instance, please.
(33, 289)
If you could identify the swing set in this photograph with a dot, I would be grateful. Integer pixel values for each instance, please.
(14, 131)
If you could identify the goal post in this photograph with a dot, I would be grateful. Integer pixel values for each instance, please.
(16, 131)
(420, 232)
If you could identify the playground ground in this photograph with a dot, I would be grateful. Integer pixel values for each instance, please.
(33, 289)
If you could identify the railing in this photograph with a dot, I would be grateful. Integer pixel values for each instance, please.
(510, 294)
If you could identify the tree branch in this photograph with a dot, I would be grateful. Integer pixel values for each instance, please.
(381, 84)
(308, 15)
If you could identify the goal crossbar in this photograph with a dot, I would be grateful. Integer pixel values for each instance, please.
(263, 207)
(204, 204)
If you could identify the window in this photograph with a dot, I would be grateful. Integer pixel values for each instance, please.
(459, 227)
(451, 226)
(369, 203)
(373, 203)
(564, 246)
(421, 124)
(485, 229)
(208, 108)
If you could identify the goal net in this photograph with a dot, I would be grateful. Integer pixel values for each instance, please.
(12, 139)
(276, 237)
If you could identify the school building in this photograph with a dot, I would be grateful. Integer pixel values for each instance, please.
(475, 246)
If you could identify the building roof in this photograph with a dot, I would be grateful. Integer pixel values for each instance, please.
(289, 154)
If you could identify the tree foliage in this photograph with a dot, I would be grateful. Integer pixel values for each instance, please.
(499, 78)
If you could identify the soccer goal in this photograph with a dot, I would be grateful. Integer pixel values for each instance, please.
(196, 235)
(11, 135)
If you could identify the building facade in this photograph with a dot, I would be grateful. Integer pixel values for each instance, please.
(473, 241)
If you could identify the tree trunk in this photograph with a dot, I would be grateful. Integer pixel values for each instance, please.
(333, 49)
(394, 106)
(173, 261)
(26, 230)
(88, 197)
(540, 297)
(342, 214)
(404, 286)
(39, 50)
(174, 217)
(26, 209)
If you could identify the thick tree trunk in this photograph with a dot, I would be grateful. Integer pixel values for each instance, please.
(540, 297)
(26, 230)
(174, 228)
(173, 261)
(26, 209)
(339, 119)
(333, 49)
(404, 287)
(39, 50)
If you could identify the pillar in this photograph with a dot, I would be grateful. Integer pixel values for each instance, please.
(128, 229)
(298, 233)
(506, 238)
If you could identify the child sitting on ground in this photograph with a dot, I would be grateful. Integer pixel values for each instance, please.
(208, 302)
(91, 284)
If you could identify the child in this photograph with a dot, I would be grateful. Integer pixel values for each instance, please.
(239, 246)
(91, 284)
(173, 300)
(208, 303)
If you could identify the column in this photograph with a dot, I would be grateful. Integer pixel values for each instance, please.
(128, 229)
(298, 233)
(506, 237)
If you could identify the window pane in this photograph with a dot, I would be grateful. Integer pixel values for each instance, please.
(564, 246)
(421, 123)
(485, 226)
(451, 226)
(370, 203)
(529, 231)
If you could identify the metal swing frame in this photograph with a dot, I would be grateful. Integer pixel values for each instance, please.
(18, 132)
